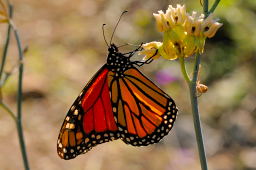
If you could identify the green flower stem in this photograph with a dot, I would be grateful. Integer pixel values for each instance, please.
(205, 7)
(8, 110)
(19, 95)
(194, 101)
(196, 116)
(193, 97)
(194, 105)
(183, 70)
(18, 118)
(214, 6)
(193, 94)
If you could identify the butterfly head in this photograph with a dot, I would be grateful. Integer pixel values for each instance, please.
(113, 48)
(117, 61)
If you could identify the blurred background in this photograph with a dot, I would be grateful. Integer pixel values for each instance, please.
(66, 48)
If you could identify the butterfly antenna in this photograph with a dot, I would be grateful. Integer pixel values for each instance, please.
(104, 34)
(117, 25)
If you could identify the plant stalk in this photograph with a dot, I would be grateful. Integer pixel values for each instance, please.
(194, 105)
(205, 8)
(214, 6)
(19, 101)
(193, 93)
(196, 116)
(6, 44)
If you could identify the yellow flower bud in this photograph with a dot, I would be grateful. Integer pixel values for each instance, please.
(210, 26)
(151, 50)
(193, 24)
(158, 22)
(212, 29)
(176, 15)
(161, 21)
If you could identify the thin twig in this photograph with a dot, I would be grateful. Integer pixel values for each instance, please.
(6, 44)
(19, 102)
(19, 96)
(8, 110)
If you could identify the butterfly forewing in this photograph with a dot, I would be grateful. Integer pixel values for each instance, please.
(90, 120)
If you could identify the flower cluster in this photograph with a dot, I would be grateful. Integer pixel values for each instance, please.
(183, 34)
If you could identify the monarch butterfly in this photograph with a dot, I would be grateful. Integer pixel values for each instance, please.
(119, 102)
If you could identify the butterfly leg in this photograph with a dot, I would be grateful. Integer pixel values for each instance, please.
(141, 63)
(148, 61)
(130, 54)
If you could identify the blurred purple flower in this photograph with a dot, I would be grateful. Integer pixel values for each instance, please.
(164, 77)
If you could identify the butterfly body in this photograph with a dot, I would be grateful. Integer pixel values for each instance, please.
(119, 102)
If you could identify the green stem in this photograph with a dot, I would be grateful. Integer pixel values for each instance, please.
(18, 119)
(194, 104)
(8, 110)
(196, 116)
(19, 101)
(6, 44)
(206, 4)
(214, 6)
(183, 70)
(193, 95)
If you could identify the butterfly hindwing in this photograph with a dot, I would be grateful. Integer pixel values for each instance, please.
(144, 113)
(90, 119)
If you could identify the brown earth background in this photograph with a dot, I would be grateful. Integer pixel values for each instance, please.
(66, 48)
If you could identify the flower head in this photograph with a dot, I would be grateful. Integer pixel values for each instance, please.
(183, 34)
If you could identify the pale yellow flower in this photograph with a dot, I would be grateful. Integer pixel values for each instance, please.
(210, 26)
(176, 16)
(151, 50)
(161, 21)
(193, 24)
